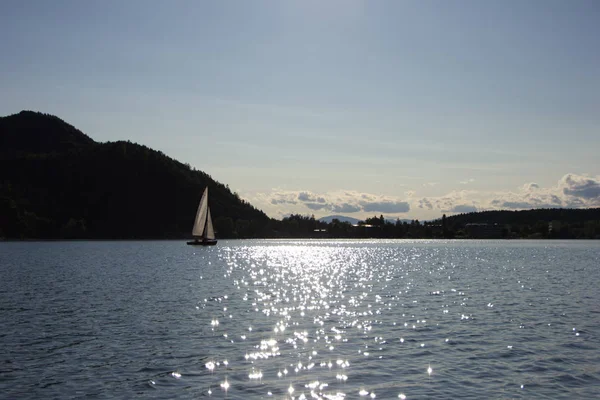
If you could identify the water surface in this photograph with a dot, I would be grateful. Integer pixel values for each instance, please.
(300, 319)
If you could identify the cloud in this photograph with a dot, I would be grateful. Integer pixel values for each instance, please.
(345, 208)
(309, 197)
(367, 196)
(466, 182)
(448, 202)
(391, 207)
(581, 187)
(282, 201)
(425, 203)
(303, 196)
(346, 202)
(526, 201)
(282, 198)
(463, 208)
(513, 205)
(317, 206)
(570, 191)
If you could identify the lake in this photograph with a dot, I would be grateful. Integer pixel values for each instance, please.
(323, 319)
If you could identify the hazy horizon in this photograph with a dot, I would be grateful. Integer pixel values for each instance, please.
(407, 109)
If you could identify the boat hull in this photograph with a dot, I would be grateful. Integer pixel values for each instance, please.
(202, 242)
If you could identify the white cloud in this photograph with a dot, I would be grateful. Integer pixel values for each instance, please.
(347, 202)
(582, 187)
(317, 206)
(531, 186)
(425, 203)
(390, 207)
(458, 198)
(571, 191)
(282, 201)
(283, 198)
(309, 197)
(345, 208)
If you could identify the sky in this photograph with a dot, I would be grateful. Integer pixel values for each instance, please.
(410, 109)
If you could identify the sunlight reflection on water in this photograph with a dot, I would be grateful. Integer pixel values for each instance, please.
(389, 311)
(322, 302)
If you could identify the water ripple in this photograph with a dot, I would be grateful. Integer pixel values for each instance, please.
(300, 319)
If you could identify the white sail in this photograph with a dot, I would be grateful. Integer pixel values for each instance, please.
(210, 233)
(200, 222)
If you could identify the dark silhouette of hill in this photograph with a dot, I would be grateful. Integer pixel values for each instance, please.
(56, 182)
(558, 223)
(529, 217)
(526, 224)
(33, 132)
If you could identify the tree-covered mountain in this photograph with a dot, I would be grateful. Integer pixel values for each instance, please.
(29, 132)
(56, 182)
(551, 223)
(526, 217)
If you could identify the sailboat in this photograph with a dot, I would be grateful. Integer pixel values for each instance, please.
(203, 232)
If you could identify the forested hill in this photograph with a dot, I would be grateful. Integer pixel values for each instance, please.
(557, 223)
(56, 182)
(29, 132)
(527, 217)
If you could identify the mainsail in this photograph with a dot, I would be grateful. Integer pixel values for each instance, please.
(201, 217)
